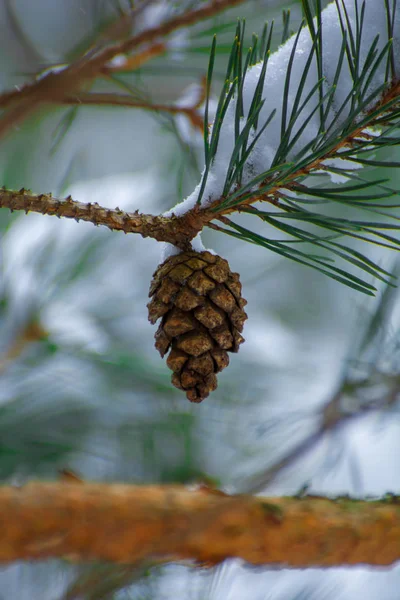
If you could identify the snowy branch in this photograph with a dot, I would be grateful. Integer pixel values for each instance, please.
(125, 524)
(321, 104)
(180, 225)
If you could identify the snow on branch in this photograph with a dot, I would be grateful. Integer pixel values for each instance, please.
(321, 104)
(297, 104)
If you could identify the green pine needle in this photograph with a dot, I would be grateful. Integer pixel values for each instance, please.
(290, 173)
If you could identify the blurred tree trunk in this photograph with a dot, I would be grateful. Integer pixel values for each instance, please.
(127, 524)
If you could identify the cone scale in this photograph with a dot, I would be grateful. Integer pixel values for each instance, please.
(199, 301)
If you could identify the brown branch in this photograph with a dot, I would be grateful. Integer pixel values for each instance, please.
(55, 85)
(131, 63)
(125, 524)
(32, 332)
(175, 230)
(184, 20)
(124, 100)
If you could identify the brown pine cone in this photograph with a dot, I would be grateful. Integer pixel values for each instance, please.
(200, 302)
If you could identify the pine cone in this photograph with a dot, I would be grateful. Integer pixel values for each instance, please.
(199, 300)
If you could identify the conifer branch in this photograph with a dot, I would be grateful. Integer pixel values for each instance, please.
(291, 182)
(132, 63)
(126, 524)
(154, 226)
(282, 181)
(175, 230)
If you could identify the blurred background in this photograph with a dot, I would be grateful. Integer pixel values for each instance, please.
(311, 400)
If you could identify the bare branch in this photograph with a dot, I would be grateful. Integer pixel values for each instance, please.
(125, 100)
(32, 332)
(55, 85)
(137, 60)
(332, 416)
(175, 230)
(125, 524)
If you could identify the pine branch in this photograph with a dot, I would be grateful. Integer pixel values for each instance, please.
(175, 230)
(301, 117)
(126, 524)
(172, 229)
(132, 63)
(342, 134)
(270, 187)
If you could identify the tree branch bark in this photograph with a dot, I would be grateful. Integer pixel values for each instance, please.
(175, 230)
(126, 101)
(124, 524)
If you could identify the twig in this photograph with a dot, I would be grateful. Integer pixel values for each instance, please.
(131, 63)
(175, 230)
(332, 416)
(110, 99)
(32, 332)
(54, 86)
(292, 182)
(125, 524)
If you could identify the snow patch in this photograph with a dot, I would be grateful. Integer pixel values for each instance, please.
(340, 163)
